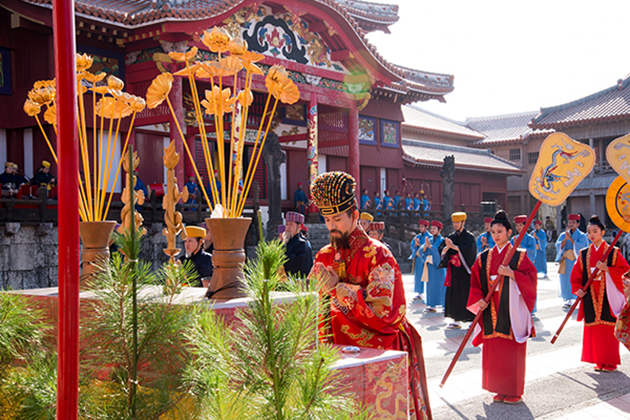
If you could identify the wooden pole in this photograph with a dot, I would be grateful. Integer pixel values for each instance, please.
(506, 260)
(585, 288)
(68, 154)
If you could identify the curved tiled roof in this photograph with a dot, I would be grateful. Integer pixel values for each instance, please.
(610, 104)
(133, 14)
(419, 119)
(504, 129)
(433, 154)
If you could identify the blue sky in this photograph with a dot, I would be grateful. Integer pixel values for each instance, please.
(510, 56)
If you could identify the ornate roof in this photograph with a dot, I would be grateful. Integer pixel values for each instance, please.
(432, 155)
(610, 104)
(130, 15)
(504, 129)
(418, 119)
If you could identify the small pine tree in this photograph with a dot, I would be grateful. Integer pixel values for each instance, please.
(270, 366)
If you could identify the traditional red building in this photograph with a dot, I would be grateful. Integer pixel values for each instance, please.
(350, 106)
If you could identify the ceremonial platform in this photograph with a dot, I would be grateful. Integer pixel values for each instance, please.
(378, 378)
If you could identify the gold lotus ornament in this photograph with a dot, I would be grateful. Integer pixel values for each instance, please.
(94, 78)
(84, 62)
(31, 108)
(562, 165)
(185, 56)
(245, 97)
(218, 101)
(50, 116)
(280, 86)
(159, 89)
(218, 40)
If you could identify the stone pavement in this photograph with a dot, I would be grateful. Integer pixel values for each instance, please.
(558, 385)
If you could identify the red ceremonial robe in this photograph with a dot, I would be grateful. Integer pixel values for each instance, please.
(601, 305)
(367, 309)
(506, 323)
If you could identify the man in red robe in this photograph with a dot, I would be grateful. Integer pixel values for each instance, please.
(361, 281)
(603, 301)
(506, 322)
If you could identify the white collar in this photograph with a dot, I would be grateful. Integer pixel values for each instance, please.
(597, 247)
(502, 248)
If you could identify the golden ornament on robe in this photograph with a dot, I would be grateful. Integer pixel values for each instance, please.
(218, 101)
(218, 40)
(562, 164)
(185, 56)
(31, 108)
(159, 90)
(618, 156)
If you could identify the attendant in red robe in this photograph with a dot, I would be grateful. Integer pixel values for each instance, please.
(506, 323)
(362, 283)
(603, 301)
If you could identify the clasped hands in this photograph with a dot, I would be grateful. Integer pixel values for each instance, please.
(327, 277)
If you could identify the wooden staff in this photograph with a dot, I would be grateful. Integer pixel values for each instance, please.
(506, 260)
(586, 286)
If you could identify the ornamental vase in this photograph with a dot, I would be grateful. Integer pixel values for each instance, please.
(95, 237)
(228, 257)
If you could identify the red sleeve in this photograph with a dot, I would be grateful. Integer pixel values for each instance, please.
(576, 275)
(526, 276)
(476, 293)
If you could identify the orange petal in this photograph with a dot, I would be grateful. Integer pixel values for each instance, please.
(31, 108)
(159, 89)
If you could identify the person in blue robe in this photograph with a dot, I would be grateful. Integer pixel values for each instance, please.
(541, 255)
(568, 246)
(408, 202)
(418, 245)
(300, 200)
(528, 244)
(426, 205)
(435, 289)
(365, 199)
(397, 199)
(192, 187)
(485, 241)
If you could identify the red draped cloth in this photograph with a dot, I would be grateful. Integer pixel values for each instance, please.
(503, 358)
(367, 309)
(599, 344)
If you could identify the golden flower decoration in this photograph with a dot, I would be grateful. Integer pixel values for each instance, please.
(100, 89)
(251, 57)
(245, 97)
(252, 68)
(231, 65)
(51, 114)
(185, 56)
(137, 104)
(44, 83)
(280, 86)
(209, 69)
(94, 78)
(31, 108)
(238, 46)
(184, 72)
(159, 89)
(114, 82)
(84, 62)
(112, 108)
(218, 40)
(219, 100)
(42, 95)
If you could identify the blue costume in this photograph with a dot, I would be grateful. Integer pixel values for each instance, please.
(567, 259)
(192, 189)
(426, 206)
(387, 200)
(480, 246)
(300, 200)
(435, 286)
(140, 186)
(528, 244)
(541, 255)
(408, 203)
(417, 255)
(364, 199)
(396, 200)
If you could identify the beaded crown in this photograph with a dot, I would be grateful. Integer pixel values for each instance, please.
(334, 192)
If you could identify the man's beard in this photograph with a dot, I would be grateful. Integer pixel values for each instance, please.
(339, 242)
(286, 237)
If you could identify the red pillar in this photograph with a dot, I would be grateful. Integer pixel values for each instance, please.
(353, 142)
(176, 98)
(68, 181)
